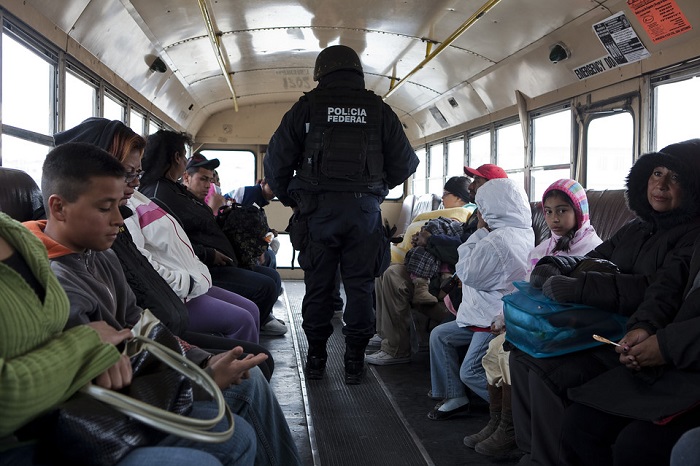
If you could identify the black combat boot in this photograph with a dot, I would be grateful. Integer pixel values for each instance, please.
(316, 360)
(354, 364)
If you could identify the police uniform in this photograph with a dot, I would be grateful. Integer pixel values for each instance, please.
(334, 157)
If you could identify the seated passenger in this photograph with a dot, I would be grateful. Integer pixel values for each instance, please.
(565, 208)
(652, 254)
(83, 220)
(261, 194)
(636, 412)
(492, 258)
(148, 286)
(394, 289)
(43, 365)
(161, 240)
(421, 264)
(164, 161)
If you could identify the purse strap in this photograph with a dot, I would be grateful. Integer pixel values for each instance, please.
(171, 423)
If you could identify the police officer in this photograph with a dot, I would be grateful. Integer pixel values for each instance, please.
(334, 157)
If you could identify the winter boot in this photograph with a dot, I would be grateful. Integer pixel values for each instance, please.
(316, 360)
(502, 442)
(495, 407)
(421, 295)
(354, 364)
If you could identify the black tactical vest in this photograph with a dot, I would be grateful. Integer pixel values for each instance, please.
(343, 146)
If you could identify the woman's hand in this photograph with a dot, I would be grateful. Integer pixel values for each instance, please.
(109, 334)
(227, 369)
(628, 343)
(645, 354)
(116, 377)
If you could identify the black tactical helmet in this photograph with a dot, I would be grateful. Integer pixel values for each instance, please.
(334, 58)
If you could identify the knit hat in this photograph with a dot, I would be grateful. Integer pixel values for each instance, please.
(459, 186)
(575, 192)
(488, 171)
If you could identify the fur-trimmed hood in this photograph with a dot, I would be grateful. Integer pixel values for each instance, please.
(684, 159)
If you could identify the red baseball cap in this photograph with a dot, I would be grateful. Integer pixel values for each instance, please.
(488, 171)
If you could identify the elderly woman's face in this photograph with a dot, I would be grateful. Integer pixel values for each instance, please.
(664, 191)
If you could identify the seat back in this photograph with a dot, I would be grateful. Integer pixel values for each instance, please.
(20, 197)
(608, 212)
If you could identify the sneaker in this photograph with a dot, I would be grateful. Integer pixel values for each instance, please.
(380, 358)
(375, 342)
(273, 328)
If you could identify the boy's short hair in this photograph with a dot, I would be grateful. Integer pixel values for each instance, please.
(68, 169)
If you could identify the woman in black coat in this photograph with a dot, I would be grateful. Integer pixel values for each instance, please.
(653, 254)
(636, 412)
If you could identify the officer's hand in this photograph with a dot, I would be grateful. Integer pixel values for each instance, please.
(389, 231)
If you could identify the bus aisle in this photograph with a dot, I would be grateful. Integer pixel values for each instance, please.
(382, 421)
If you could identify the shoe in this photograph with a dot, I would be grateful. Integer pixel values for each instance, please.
(273, 328)
(421, 295)
(436, 415)
(315, 367)
(375, 342)
(380, 358)
(355, 368)
(354, 372)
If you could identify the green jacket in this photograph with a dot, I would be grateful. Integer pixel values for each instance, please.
(40, 364)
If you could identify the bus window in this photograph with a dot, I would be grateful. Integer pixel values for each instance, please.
(479, 149)
(24, 155)
(113, 109)
(455, 158)
(551, 151)
(510, 152)
(510, 148)
(152, 127)
(419, 178)
(236, 168)
(672, 102)
(136, 121)
(610, 152)
(436, 167)
(26, 88)
(80, 99)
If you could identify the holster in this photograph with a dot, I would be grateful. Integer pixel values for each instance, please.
(298, 230)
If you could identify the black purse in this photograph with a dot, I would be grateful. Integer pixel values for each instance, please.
(98, 427)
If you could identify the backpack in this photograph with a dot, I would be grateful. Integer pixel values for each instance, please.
(245, 227)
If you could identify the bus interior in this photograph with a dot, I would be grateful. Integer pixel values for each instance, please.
(546, 89)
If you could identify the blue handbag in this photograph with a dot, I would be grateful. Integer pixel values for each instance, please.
(544, 328)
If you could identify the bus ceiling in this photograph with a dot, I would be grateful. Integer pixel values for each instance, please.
(186, 61)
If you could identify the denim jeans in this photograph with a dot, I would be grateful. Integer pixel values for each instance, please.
(173, 456)
(448, 378)
(255, 402)
(687, 448)
(173, 450)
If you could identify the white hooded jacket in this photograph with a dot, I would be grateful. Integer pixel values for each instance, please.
(490, 261)
(165, 244)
